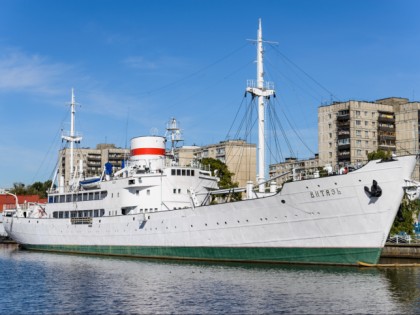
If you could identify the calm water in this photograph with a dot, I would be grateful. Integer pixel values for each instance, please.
(33, 282)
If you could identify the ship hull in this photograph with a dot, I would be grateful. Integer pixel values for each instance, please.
(330, 220)
(326, 256)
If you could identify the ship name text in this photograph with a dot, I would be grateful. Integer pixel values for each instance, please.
(325, 193)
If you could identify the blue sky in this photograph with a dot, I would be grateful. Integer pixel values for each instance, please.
(136, 64)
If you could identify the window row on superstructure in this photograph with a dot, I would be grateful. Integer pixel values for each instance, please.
(97, 195)
(182, 172)
(78, 214)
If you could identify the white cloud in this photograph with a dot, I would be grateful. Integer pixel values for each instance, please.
(33, 73)
(164, 62)
(139, 62)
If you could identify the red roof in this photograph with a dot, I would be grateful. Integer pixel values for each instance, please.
(10, 200)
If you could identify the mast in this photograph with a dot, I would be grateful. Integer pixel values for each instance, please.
(262, 91)
(72, 138)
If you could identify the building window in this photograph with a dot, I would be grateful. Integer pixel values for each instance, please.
(330, 135)
(358, 143)
(359, 152)
(330, 144)
(330, 154)
(366, 134)
(366, 122)
(357, 113)
(358, 122)
(358, 133)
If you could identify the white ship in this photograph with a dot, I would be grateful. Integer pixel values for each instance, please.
(154, 208)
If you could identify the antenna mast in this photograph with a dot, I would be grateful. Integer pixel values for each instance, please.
(263, 90)
(174, 132)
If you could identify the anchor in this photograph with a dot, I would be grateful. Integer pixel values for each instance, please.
(375, 191)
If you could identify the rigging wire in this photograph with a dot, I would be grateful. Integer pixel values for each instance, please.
(174, 83)
(297, 134)
(53, 143)
(243, 132)
(276, 138)
(276, 118)
(305, 73)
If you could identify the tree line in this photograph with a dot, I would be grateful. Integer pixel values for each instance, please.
(37, 188)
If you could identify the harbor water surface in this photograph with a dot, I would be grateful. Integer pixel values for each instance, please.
(48, 283)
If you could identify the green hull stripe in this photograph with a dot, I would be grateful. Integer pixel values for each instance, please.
(340, 256)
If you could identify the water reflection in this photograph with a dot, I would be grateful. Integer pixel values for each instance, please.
(56, 283)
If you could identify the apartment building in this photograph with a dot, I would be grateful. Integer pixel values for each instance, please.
(292, 168)
(238, 155)
(348, 131)
(93, 159)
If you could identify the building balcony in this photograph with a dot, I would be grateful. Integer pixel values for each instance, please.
(386, 128)
(343, 117)
(390, 138)
(93, 158)
(342, 147)
(343, 158)
(386, 147)
(386, 119)
(93, 164)
(343, 124)
(343, 131)
(343, 136)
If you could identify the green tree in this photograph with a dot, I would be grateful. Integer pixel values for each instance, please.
(37, 188)
(19, 189)
(406, 216)
(224, 174)
(380, 154)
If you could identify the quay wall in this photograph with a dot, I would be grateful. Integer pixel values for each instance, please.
(401, 251)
